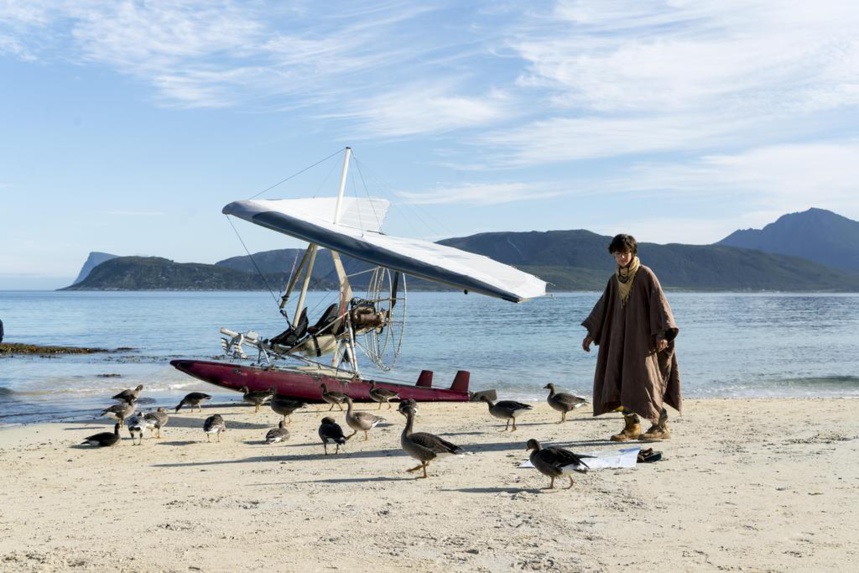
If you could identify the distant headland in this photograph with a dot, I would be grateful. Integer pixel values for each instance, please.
(812, 251)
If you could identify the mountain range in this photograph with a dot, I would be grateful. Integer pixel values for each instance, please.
(817, 235)
(815, 250)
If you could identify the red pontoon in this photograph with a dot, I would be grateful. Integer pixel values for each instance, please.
(306, 386)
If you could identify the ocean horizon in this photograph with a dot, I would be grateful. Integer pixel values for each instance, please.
(731, 345)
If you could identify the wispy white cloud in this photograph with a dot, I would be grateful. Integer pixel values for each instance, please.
(482, 194)
(424, 108)
(127, 213)
(726, 57)
(197, 53)
(12, 46)
(150, 36)
(560, 139)
(822, 172)
(638, 77)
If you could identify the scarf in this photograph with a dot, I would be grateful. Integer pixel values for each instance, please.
(625, 278)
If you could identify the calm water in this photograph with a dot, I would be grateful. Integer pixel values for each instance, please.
(730, 345)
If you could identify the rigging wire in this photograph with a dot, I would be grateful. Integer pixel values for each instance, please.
(293, 176)
(419, 221)
(331, 273)
(253, 261)
(376, 215)
(250, 256)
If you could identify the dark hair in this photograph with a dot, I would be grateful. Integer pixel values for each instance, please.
(623, 244)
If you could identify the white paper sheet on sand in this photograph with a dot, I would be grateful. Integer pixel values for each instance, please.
(625, 458)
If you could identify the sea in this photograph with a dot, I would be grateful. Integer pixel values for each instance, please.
(731, 345)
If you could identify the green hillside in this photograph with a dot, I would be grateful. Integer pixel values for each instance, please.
(816, 250)
(155, 273)
(567, 260)
(579, 260)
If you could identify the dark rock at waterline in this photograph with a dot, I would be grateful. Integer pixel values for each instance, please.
(12, 349)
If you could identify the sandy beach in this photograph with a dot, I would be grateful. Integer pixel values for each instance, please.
(744, 485)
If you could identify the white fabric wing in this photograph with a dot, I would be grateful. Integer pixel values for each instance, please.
(358, 236)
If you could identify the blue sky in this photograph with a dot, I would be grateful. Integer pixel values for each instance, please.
(126, 126)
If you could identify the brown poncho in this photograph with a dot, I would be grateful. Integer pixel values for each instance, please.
(629, 372)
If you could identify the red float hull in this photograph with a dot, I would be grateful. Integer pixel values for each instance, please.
(306, 386)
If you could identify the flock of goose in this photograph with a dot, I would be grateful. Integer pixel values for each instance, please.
(125, 411)
(553, 462)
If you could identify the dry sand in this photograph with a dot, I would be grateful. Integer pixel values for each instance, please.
(744, 485)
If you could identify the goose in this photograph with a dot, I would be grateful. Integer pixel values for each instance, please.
(257, 397)
(382, 395)
(563, 402)
(363, 421)
(278, 434)
(129, 394)
(104, 439)
(119, 412)
(158, 419)
(285, 406)
(214, 424)
(506, 410)
(555, 462)
(423, 446)
(193, 399)
(407, 403)
(137, 425)
(333, 397)
(330, 432)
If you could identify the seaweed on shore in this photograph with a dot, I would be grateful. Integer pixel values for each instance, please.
(12, 349)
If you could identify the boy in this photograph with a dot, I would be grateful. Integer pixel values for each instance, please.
(634, 328)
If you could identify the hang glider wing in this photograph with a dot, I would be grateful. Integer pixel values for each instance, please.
(358, 235)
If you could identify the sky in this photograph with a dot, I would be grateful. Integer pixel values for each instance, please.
(126, 126)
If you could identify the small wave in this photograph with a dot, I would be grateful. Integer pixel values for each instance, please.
(47, 414)
(768, 387)
(827, 381)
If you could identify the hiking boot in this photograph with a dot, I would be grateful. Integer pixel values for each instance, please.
(658, 431)
(631, 428)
